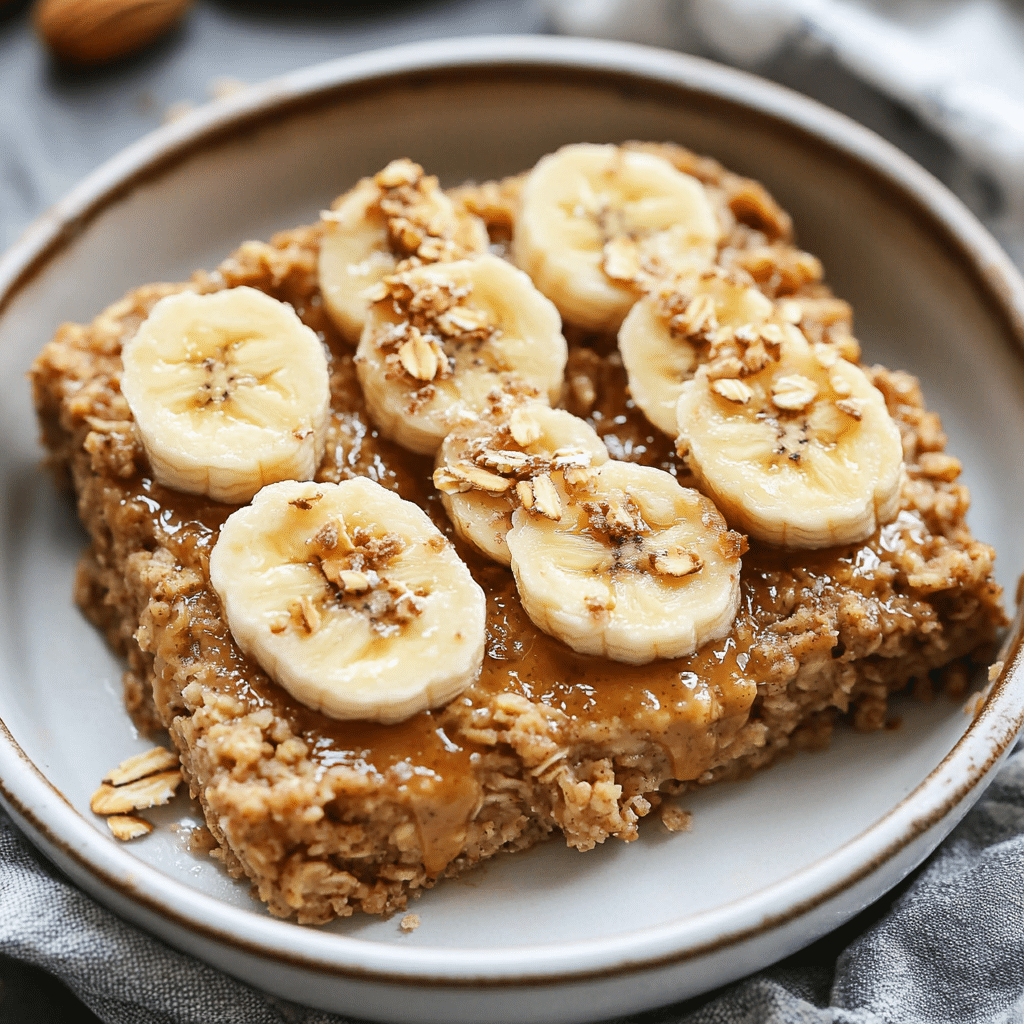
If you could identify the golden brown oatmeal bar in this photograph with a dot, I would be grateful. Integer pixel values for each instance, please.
(326, 817)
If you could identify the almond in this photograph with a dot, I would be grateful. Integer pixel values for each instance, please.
(96, 31)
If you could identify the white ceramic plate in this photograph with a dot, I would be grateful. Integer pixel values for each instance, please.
(549, 935)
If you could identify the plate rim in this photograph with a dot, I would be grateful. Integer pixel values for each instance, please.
(958, 776)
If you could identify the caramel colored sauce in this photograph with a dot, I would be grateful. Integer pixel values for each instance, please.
(690, 706)
(676, 702)
(407, 751)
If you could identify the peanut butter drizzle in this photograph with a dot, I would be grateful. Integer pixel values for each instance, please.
(681, 704)
(692, 707)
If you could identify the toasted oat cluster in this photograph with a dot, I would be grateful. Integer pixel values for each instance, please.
(717, 309)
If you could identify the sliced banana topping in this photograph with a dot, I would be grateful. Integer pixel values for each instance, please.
(670, 331)
(639, 568)
(442, 340)
(398, 214)
(487, 470)
(793, 443)
(350, 598)
(599, 224)
(229, 391)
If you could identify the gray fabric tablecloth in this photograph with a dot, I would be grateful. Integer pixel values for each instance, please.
(948, 946)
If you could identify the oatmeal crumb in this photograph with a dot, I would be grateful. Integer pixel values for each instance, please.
(200, 840)
(976, 702)
(149, 792)
(699, 317)
(127, 826)
(306, 503)
(621, 260)
(418, 357)
(733, 390)
(675, 819)
(353, 582)
(794, 392)
(304, 615)
(448, 483)
(481, 479)
(939, 465)
(409, 923)
(149, 762)
(545, 497)
(676, 562)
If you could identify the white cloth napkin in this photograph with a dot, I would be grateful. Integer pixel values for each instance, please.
(958, 65)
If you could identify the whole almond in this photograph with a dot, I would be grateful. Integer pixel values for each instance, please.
(96, 31)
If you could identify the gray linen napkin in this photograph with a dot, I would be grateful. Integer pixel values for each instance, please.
(948, 948)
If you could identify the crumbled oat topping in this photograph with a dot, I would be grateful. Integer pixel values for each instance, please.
(618, 516)
(418, 219)
(779, 269)
(676, 561)
(432, 322)
(699, 319)
(421, 357)
(733, 389)
(409, 923)
(464, 476)
(621, 259)
(851, 406)
(688, 317)
(524, 492)
(489, 463)
(545, 497)
(304, 615)
(733, 354)
(353, 564)
(794, 392)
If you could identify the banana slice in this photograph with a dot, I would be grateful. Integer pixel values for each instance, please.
(641, 568)
(441, 340)
(229, 392)
(350, 598)
(487, 470)
(795, 445)
(598, 223)
(397, 214)
(668, 333)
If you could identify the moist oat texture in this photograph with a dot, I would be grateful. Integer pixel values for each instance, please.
(326, 817)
